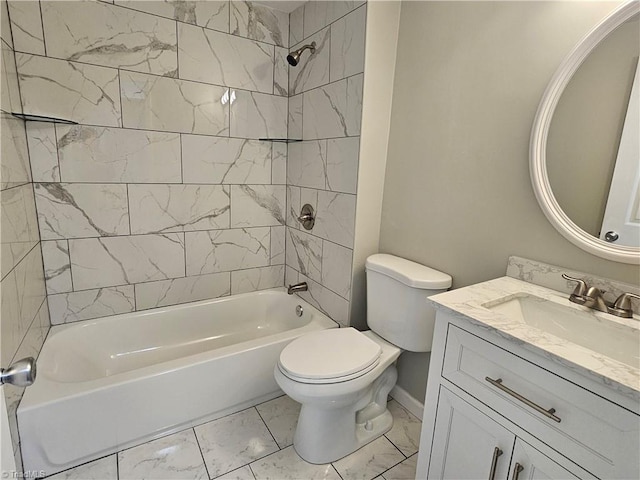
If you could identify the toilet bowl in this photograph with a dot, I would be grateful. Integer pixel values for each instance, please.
(342, 377)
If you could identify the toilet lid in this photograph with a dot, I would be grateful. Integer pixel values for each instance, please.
(329, 354)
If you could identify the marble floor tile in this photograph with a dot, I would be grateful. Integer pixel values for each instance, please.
(103, 469)
(173, 457)
(242, 473)
(281, 417)
(370, 461)
(403, 471)
(405, 433)
(233, 441)
(287, 465)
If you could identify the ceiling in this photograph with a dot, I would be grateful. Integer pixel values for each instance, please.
(287, 6)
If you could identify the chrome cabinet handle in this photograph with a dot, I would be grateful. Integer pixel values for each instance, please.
(547, 413)
(516, 471)
(494, 463)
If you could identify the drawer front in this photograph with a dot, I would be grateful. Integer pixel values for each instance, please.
(598, 435)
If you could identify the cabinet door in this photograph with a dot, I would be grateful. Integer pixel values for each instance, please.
(530, 464)
(465, 442)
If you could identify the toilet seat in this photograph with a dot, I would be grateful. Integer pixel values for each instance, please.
(329, 356)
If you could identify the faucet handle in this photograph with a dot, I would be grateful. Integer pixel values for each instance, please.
(581, 287)
(622, 306)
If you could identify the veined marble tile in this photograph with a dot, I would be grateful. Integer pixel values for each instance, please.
(103, 469)
(304, 253)
(5, 24)
(296, 18)
(313, 69)
(403, 471)
(336, 268)
(178, 208)
(173, 457)
(14, 168)
(227, 250)
(182, 290)
(96, 154)
(342, 164)
(242, 473)
(347, 44)
(88, 304)
(57, 266)
(43, 152)
(258, 22)
(279, 155)
(307, 164)
(281, 417)
(204, 13)
(287, 465)
(335, 217)
(290, 275)
(225, 160)
(336, 307)
(334, 110)
(295, 117)
(257, 205)
(26, 26)
(215, 57)
(69, 90)
(11, 333)
(233, 441)
(101, 34)
(296, 198)
(369, 461)
(18, 225)
(74, 210)
(281, 72)
(405, 433)
(278, 240)
(257, 115)
(159, 103)
(253, 279)
(103, 262)
(36, 334)
(10, 93)
(320, 13)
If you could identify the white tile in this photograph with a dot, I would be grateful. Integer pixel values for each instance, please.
(173, 457)
(43, 152)
(253, 279)
(5, 24)
(178, 208)
(336, 268)
(233, 441)
(222, 59)
(96, 154)
(405, 433)
(10, 94)
(281, 417)
(281, 72)
(257, 115)
(126, 260)
(26, 26)
(212, 14)
(242, 473)
(225, 160)
(18, 225)
(296, 18)
(12, 333)
(370, 461)
(257, 205)
(316, 16)
(278, 245)
(347, 44)
(295, 117)
(304, 253)
(336, 307)
(403, 471)
(258, 22)
(342, 164)
(182, 290)
(88, 304)
(334, 110)
(287, 465)
(307, 164)
(36, 334)
(102, 34)
(335, 217)
(278, 164)
(104, 469)
(227, 250)
(14, 168)
(159, 103)
(313, 69)
(57, 266)
(296, 199)
(290, 275)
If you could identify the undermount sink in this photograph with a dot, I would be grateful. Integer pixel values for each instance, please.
(587, 328)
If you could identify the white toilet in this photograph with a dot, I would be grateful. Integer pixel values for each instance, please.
(342, 376)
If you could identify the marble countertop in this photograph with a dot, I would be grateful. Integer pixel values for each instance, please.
(469, 303)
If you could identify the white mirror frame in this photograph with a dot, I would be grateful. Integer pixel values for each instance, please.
(540, 132)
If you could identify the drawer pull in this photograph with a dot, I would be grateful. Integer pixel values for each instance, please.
(516, 471)
(547, 413)
(494, 463)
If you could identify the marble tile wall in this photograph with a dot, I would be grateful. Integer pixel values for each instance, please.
(163, 193)
(325, 109)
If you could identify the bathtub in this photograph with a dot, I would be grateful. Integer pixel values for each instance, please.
(108, 384)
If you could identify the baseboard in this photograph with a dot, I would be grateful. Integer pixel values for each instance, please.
(403, 397)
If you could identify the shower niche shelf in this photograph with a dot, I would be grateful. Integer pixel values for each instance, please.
(40, 118)
(281, 140)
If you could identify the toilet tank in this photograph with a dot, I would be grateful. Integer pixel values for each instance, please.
(397, 307)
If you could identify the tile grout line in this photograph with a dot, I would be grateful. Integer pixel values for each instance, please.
(206, 468)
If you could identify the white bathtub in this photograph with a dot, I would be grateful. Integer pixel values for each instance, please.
(108, 384)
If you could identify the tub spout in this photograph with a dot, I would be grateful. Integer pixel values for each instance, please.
(298, 287)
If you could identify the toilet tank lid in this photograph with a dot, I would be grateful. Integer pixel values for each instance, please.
(410, 273)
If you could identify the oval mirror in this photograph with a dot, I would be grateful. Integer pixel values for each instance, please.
(585, 145)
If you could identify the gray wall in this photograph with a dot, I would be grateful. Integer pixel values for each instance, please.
(457, 197)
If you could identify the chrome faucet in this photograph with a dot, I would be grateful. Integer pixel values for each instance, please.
(593, 297)
(298, 287)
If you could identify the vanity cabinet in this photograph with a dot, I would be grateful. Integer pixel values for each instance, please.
(490, 401)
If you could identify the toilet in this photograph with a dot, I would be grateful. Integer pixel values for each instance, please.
(342, 377)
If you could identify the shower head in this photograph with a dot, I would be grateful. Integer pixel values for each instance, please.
(294, 57)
